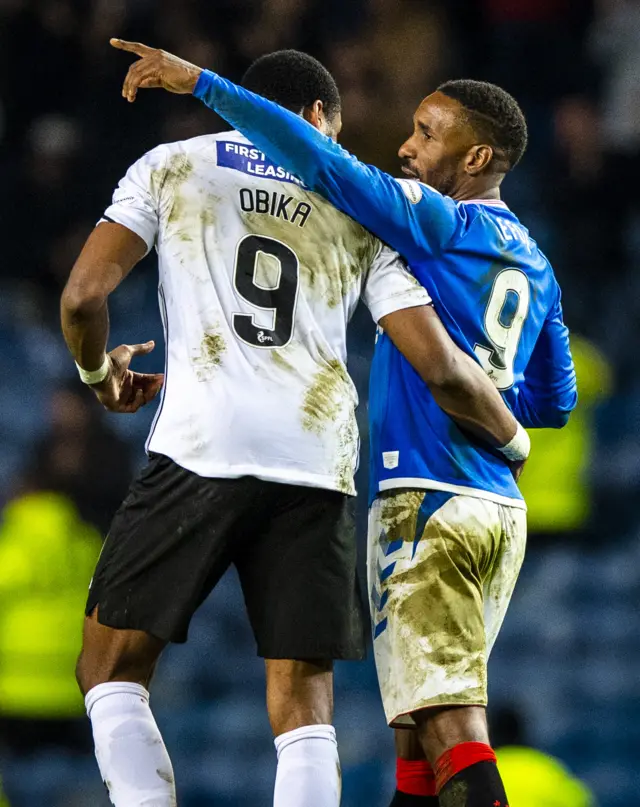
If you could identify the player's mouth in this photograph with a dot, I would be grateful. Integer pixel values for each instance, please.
(409, 172)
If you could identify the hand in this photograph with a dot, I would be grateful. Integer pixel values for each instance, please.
(156, 68)
(123, 390)
(516, 468)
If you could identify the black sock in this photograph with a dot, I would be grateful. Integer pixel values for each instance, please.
(479, 785)
(407, 800)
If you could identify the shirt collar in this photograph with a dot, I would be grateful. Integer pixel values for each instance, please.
(490, 202)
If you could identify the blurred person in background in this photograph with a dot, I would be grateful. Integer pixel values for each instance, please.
(439, 602)
(533, 778)
(47, 555)
(519, 31)
(81, 457)
(588, 236)
(556, 485)
(615, 45)
(376, 84)
(35, 190)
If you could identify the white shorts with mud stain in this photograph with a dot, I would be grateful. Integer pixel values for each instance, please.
(441, 571)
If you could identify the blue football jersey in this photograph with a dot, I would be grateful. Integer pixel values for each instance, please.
(492, 287)
(496, 294)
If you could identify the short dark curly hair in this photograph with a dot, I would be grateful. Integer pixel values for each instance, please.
(494, 115)
(294, 80)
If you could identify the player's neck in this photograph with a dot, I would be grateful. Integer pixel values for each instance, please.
(474, 190)
(469, 196)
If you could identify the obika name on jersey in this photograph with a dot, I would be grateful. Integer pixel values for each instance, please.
(278, 205)
(250, 160)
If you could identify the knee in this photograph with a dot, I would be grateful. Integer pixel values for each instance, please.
(299, 693)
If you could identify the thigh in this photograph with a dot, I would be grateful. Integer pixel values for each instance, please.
(168, 546)
(299, 578)
(502, 577)
(429, 552)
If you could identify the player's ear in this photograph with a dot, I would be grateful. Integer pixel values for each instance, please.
(314, 114)
(478, 159)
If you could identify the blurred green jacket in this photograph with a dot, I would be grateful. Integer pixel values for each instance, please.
(47, 557)
(534, 779)
(555, 484)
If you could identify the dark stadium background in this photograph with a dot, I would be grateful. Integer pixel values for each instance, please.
(568, 660)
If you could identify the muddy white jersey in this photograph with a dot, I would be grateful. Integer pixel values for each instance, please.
(258, 278)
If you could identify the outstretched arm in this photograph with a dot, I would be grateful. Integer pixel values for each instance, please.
(409, 216)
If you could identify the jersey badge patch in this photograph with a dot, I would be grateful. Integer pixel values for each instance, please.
(390, 459)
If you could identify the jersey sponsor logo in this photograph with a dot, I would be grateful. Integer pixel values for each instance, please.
(390, 459)
(411, 189)
(252, 161)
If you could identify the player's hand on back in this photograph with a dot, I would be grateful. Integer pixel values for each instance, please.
(124, 390)
(517, 467)
(156, 69)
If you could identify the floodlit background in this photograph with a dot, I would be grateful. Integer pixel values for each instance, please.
(568, 660)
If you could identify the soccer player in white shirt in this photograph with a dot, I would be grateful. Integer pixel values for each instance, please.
(255, 444)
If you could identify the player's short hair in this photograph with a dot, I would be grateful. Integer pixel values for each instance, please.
(493, 114)
(294, 80)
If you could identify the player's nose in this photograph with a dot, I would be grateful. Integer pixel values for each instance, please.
(406, 150)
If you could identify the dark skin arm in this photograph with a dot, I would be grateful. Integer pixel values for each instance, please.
(458, 384)
(110, 253)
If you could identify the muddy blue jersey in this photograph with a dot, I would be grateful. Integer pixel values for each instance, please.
(493, 288)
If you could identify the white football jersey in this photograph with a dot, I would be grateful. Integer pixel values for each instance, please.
(258, 279)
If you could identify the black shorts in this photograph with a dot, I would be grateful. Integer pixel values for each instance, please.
(294, 548)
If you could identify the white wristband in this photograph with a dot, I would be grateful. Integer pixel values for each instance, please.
(94, 376)
(519, 447)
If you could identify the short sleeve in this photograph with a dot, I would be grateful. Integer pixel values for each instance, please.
(135, 203)
(391, 287)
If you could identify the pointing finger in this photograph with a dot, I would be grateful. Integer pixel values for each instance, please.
(131, 47)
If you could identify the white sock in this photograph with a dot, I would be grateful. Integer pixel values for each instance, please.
(308, 768)
(131, 755)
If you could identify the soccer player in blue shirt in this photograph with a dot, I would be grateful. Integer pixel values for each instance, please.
(448, 526)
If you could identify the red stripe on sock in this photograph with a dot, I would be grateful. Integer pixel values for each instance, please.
(458, 758)
(415, 777)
